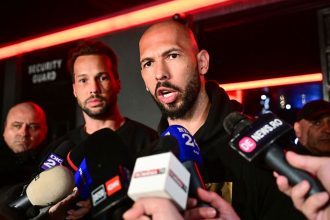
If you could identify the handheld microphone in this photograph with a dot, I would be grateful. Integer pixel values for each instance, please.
(257, 141)
(161, 175)
(47, 188)
(58, 156)
(108, 163)
(189, 155)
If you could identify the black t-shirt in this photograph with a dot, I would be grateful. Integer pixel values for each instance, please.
(136, 136)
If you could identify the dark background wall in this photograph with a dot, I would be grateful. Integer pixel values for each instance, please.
(244, 45)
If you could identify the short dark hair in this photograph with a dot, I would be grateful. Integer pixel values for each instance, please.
(89, 47)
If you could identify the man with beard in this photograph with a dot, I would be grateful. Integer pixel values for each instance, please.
(173, 69)
(96, 85)
(312, 128)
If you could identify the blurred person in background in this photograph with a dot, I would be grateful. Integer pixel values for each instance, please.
(312, 128)
(24, 136)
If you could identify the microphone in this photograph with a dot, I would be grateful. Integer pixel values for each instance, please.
(257, 141)
(161, 175)
(58, 156)
(47, 188)
(108, 162)
(190, 157)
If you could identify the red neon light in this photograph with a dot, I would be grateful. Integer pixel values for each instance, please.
(122, 21)
(236, 94)
(290, 80)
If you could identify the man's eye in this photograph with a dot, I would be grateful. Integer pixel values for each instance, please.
(104, 78)
(173, 55)
(82, 80)
(34, 127)
(317, 123)
(18, 126)
(147, 64)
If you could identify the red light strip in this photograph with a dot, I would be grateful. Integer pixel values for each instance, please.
(290, 80)
(122, 21)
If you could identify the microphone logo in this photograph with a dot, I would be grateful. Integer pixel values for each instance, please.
(113, 185)
(247, 144)
(98, 195)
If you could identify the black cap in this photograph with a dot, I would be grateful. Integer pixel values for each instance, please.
(314, 110)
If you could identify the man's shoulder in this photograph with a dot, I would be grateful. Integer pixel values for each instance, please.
(139, 127)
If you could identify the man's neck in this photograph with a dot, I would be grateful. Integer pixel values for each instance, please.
(114, 121)
(197, 116)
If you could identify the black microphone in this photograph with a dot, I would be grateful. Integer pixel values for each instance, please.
(57, 156)
(75, 156)
(109, 164)
(257, 141)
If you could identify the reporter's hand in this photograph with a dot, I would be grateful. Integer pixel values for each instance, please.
(221, 209)
(153, 208)
(84, 207)
(59, 210)
(313, 207)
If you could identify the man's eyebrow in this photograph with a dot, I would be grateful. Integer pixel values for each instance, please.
(174, 49)
(145, 60)
(163, 54)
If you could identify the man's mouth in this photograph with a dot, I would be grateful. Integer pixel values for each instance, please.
(94, 102)
(166, 95)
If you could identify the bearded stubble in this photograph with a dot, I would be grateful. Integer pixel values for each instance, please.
(104, 112)
(188, 98)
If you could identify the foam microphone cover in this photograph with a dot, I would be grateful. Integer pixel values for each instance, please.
(50, 186)
(166, 144)
(109, 164)
(235, 122)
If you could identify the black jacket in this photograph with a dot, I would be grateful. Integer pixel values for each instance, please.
(18, 167)
(255, 194)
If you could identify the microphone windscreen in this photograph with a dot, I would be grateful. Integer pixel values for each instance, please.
(50, 186)
(76, 156)
(63, 148)
(235, 122)
(109, 163)
(105, 151)
(166, 144)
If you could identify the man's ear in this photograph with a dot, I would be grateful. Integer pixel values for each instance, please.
(297, 129)
(118, 85)
(203, 59)
(74, 91)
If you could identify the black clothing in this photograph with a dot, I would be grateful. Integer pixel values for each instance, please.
(18, 167)
(255, 194)
(16, 170)
(136, 136)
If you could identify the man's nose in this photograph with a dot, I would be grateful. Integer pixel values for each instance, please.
(162, 72)
(94, 87)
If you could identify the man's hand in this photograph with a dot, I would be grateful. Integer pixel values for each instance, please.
(221, 209)
(153, 208)
(316, 206)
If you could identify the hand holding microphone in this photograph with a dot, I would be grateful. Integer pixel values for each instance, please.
(257, 141)
(316, 206)
(45, 189)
